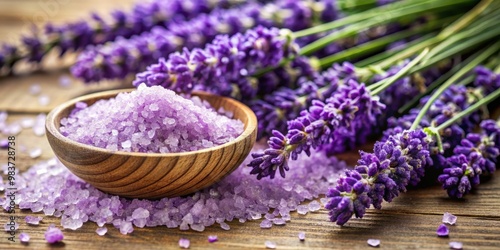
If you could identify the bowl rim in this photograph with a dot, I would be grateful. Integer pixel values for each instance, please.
(53, 128)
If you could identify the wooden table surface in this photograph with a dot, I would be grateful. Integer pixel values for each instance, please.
(409, 222)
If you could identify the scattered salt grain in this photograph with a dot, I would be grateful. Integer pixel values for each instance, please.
(24, 237)
(184, 243)
(150, 119)
(279, 221)
(212, 238)
(64, 81)
(266, 224)
(39, 126)
(314, 206)
(49, 187)
(33, 220)
(35, 153)
(35, 89)
(449, 218)
(270, 244)
(442, 231)
(456, 245)
(373, 242)
(43, 100)
(53, 234)
(4, 143)
(27, 122)
(224, 226)
(302, 209)
(101, 231)
(11, 227)
(126, 227)
(302, 236)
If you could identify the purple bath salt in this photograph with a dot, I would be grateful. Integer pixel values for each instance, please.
(101, 231)
(302, 236)
(373, 242)
(456, 245)
(33, 220)
(212, 238)
(53, 234)
(24, 237)
(442, 231)
(184, 243)
(49, 187)
(152, 120)
(270, 244)
(449, 218)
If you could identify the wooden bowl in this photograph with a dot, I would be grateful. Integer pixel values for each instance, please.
(151, 175)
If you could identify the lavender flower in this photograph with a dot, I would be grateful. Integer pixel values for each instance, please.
(477, 154)
(274, 110)
(133, 55)
(315, 127)
(224, 66)
(460, 175)
(77, 35)
(380, 175)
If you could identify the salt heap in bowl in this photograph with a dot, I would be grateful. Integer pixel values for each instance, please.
(150, 120)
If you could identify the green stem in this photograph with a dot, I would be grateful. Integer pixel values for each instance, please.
(443, 36)
(437, 83)
(489, 98)
(461, 47)
(483, 56)
(449, 41)
(386, 54)
(388, 82)
(354, 18)
(466, 19)
(380, 43)
(386, 17)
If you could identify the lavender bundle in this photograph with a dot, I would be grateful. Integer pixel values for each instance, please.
(401, 158)
(77, 35)
(123, 57)
(339, 119)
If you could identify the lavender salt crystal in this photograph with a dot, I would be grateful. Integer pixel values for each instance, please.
(24, 237)
(302, 236)
(442, 231)
(270, 244)
(33, 220)
(53, 234)
(101, 231)
(184, 243)
(49, 187)
(456, 245)
(150, 119)
(373, 242)
(212, 238)
(449, 218)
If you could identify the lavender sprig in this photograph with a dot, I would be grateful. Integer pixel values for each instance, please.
(401, 160)
(224, 66)
(316, 126)
(77, 35)
(380, 175)
(118, 59)
(476, 155)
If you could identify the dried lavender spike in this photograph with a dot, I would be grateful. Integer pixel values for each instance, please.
(316, 126)
(77, 35)
(124, 57)
(224, 67)
(379, 176)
